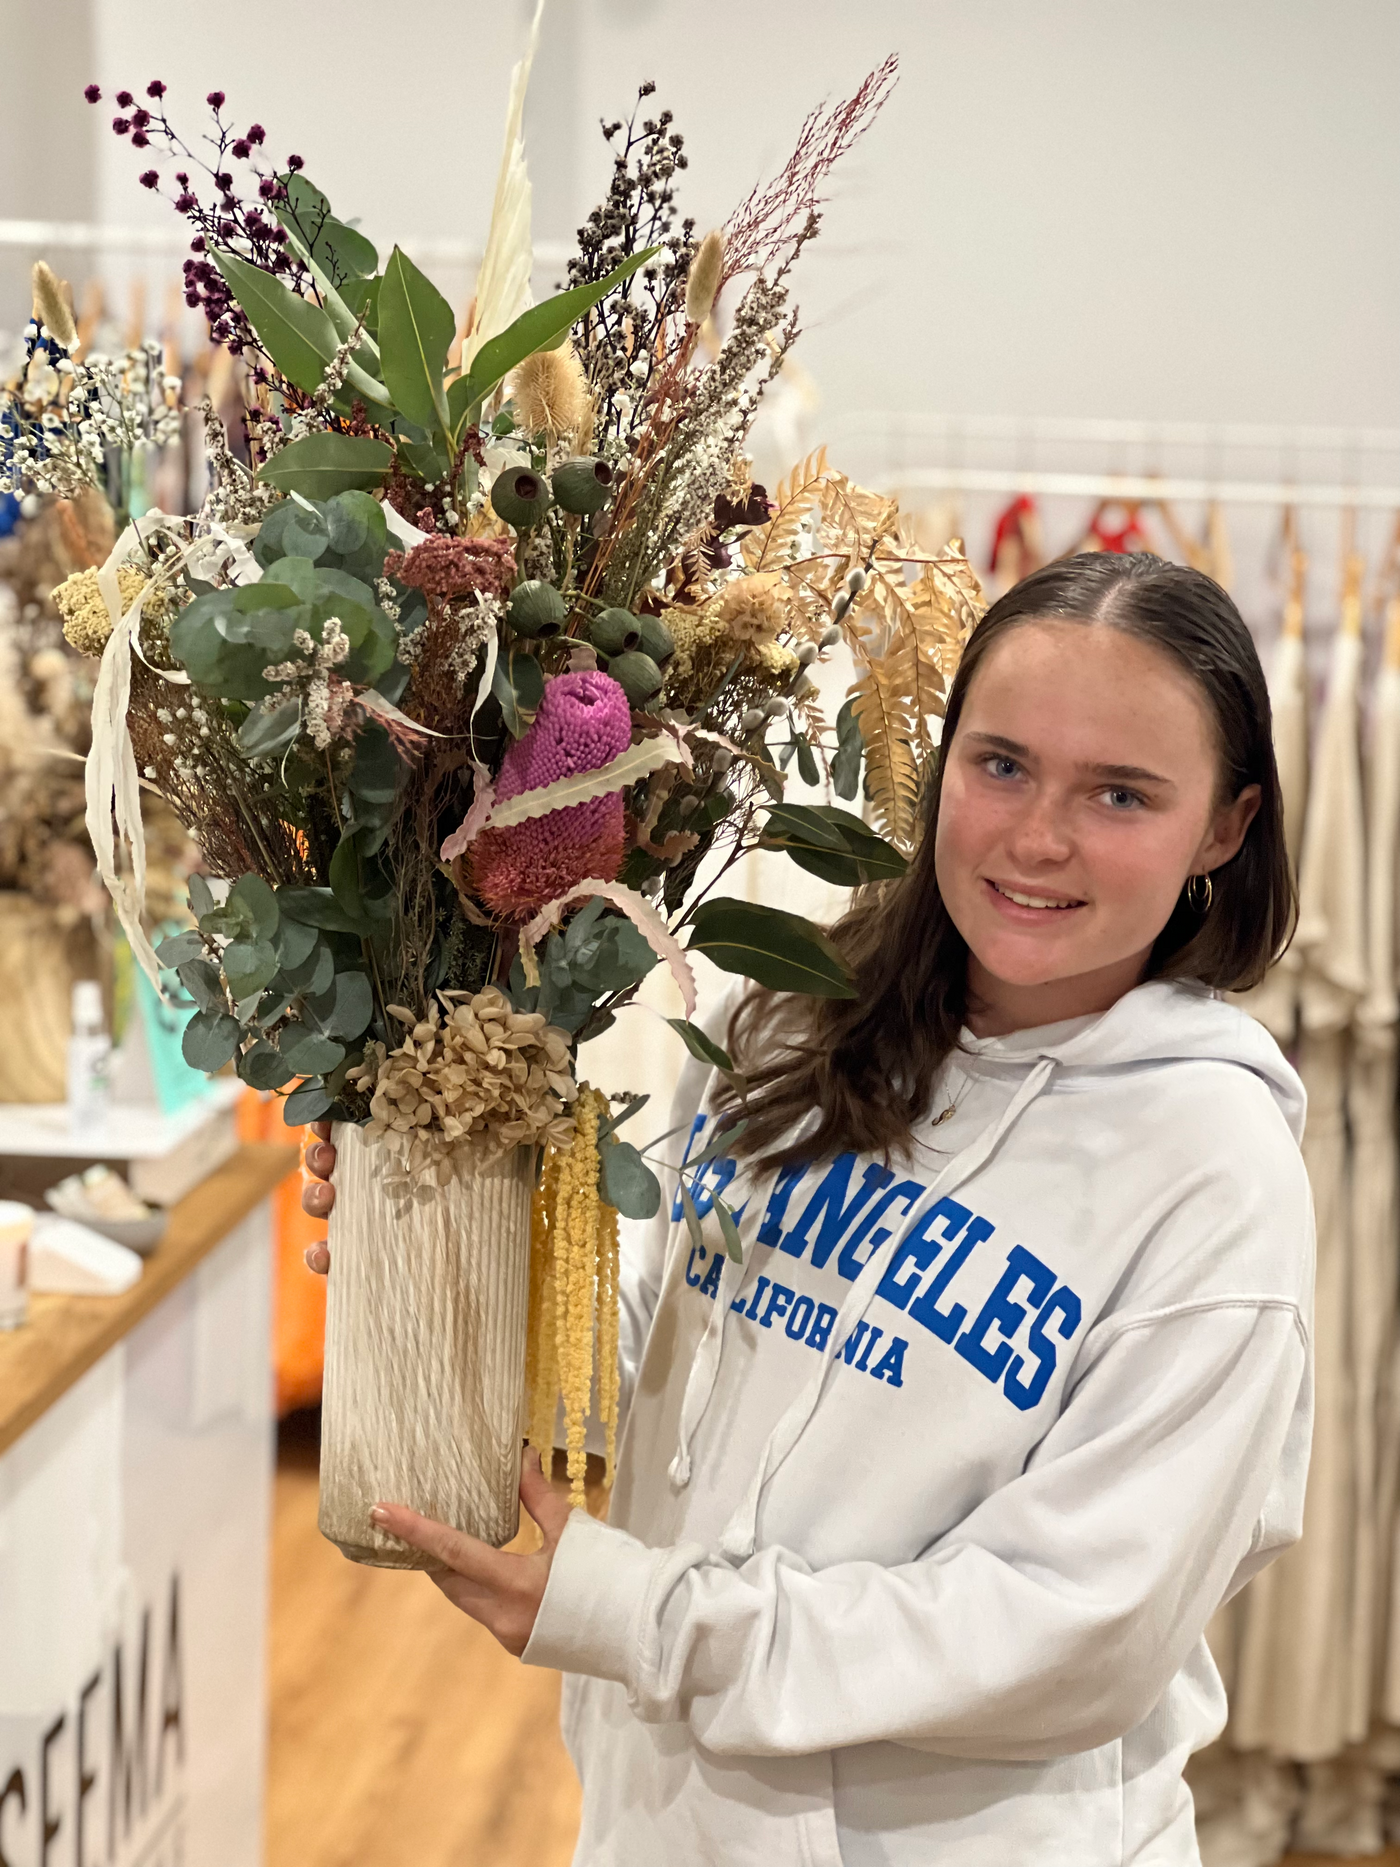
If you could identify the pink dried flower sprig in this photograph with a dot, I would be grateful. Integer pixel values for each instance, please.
(446, 567)
(584, 721)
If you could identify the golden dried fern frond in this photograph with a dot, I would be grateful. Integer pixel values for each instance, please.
(795, 501)
(882, 711)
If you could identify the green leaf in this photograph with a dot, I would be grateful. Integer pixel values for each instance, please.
(267, 735)
(732, 1243)
(179, 948)
(307, 1051)
(542, 327)
(806, 763)
(832, 843)
(345, 879)
(313, 975)
(346, 1009)
(416, 328)
(297, 335)
(612, 1123)
(249, 966)
(845, 764)
(361, 299)
(201, 896)
(267, 592)
(692, 1217)
(318, 235)
(626, 1182)
(295, 941)
(719, 1144)
(316, 907)
(780, 950)
(262, 1067)
(518, 684)
(307, 1103)
(200, 978)
(703, 1048)
(320, 465)
(211, 1038)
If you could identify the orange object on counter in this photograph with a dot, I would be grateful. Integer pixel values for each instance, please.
(298, 1297)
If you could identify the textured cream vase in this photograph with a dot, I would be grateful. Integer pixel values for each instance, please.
(425, 1351)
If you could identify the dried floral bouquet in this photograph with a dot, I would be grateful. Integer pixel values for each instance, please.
(478, 680)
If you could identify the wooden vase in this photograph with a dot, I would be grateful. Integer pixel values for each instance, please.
(425, 1351)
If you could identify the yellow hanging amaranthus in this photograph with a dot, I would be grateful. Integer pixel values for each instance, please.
(573, 1299)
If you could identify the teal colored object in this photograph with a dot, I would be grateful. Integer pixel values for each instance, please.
(177, 1085)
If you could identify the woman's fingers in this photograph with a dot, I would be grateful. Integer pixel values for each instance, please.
(320, 1128)
(549, 1510)
(320, 1159)
(317, 1199)
(477, 1562)
(318, 1259)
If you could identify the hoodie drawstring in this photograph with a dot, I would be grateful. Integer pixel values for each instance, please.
(740, 1533)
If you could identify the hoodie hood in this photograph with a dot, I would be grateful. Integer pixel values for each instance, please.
(1164, 1021)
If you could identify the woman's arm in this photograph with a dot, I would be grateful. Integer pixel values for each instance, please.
(1051, 1620)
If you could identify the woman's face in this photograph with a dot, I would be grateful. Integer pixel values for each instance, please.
(1079, 794)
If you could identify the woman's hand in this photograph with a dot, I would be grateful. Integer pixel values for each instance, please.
(502, 1592)
(318, 1200)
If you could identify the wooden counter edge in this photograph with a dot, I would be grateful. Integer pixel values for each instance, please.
(66, 1335)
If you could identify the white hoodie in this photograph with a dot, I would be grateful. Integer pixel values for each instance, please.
(921, 1512)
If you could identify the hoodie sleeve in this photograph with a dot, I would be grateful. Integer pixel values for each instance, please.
(1050, 1620)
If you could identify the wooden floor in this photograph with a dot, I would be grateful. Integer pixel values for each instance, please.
(401, 1734)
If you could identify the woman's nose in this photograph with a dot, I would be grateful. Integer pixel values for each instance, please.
(1041, 832)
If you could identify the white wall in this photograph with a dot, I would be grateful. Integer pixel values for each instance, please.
(1099, 207)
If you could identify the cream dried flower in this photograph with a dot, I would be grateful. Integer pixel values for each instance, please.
(753, 609)
(51, 306)
(79, 600)
(550, 392)
(706, 273)
(474, 1076)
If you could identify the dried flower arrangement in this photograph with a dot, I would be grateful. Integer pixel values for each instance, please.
(479, 680)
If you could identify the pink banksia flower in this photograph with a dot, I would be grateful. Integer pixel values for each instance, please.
(583, 722)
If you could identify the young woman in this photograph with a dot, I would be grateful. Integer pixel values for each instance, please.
(923, 1508)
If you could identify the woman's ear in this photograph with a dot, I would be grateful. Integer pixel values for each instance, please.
(1227, 830)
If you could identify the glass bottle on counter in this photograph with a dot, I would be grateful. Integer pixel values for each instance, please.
(89, 1056)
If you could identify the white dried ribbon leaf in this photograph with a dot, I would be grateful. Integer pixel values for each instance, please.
(636, 762)
(638, 910)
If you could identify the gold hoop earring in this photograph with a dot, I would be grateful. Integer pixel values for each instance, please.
(1198, 893)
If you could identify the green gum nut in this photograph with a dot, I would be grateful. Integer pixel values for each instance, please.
(582, 485)
(614, 631)
(520, 497)
(536, 608)
(656, 639)
(637, 675)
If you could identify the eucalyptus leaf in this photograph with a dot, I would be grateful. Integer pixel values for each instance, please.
(201, 896)
(626, 1182)
(249, 966)
(779, 950)
(692, 1217)
(316, 907)
(850, 746)
(262, 1066)
(297, 335)
(307, 1103)
(611, 1123)
(807, 763)
(732, 1242)
(267, 735)
(346, 1009)
(210, 1040)
(252, 893)
(295, 941)
(307, 1051)
(718, 1146)
(179, 948)
(313, 976)
(518, 684)
(202, 981)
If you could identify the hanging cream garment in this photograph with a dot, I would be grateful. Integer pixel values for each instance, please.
(1245, 1804)
(1293, 1689)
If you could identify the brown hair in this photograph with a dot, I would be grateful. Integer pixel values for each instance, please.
(868, 1063)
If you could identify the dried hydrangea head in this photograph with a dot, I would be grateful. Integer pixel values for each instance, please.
(550, 392)
(79, 600)
(754, 608)
(473, 1074)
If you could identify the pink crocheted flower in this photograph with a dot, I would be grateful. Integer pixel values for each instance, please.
(583, 722)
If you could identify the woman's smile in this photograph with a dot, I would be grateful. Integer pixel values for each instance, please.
(1030, 905)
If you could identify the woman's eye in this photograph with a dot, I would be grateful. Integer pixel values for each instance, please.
(1002, 767)
(1120, 799)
